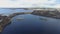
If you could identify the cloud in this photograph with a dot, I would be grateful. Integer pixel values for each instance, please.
(28, 3)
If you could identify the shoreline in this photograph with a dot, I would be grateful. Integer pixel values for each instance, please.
(7, 19)
(47, 13)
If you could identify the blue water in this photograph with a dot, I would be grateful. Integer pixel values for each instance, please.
(32, 24)
(11, 11)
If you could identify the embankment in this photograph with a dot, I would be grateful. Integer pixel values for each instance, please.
(7, 19)
(47, 13)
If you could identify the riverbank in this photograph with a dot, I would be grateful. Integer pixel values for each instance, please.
(47, 13)
(7, 19)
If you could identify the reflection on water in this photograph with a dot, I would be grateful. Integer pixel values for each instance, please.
(33, 24)
(18, 19)
(44, 19)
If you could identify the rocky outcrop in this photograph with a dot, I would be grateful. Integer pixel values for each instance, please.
(47, 13)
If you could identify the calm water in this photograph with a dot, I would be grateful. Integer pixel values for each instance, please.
(32, 24)
(11, 11)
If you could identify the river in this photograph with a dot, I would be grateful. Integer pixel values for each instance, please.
(30, 24)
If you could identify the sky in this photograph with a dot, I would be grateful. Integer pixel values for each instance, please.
(29, 3)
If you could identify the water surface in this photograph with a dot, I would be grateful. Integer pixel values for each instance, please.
(32, 24)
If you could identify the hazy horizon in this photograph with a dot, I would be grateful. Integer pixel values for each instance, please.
(29, 3)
